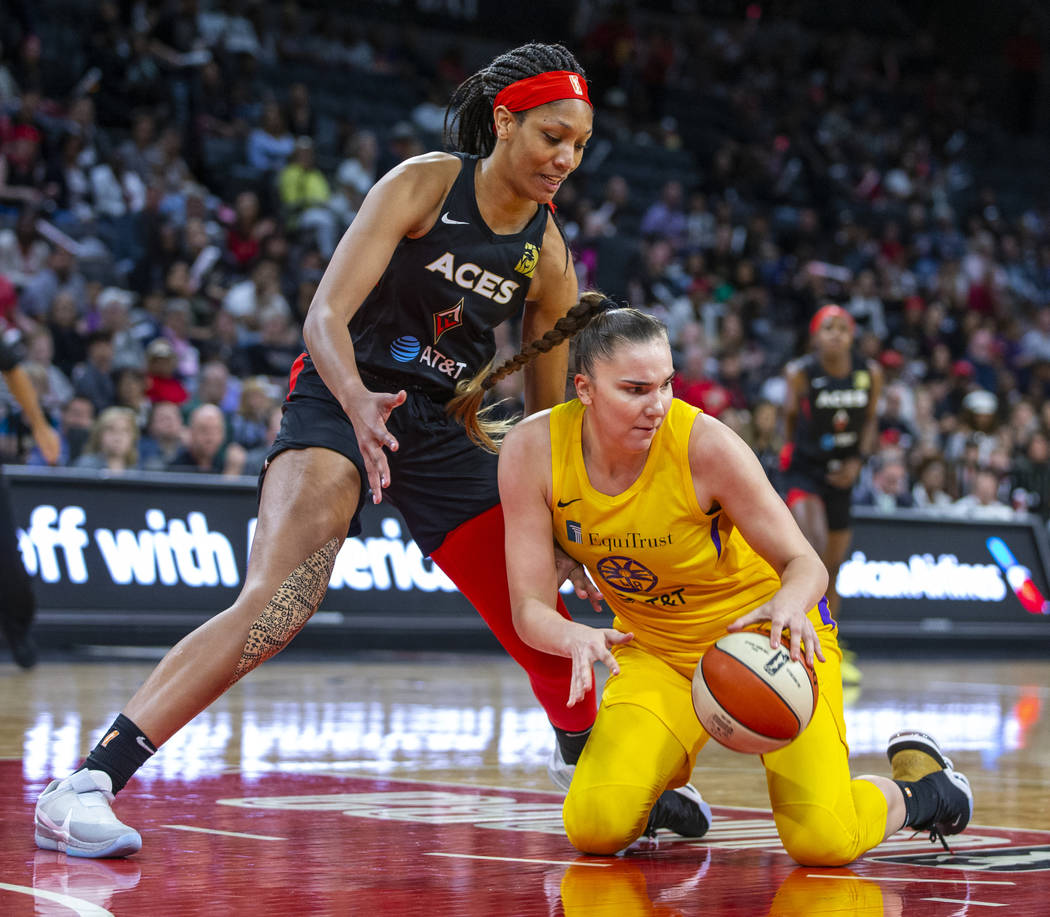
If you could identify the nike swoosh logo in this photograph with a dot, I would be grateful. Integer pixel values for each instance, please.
(145, 745)
(445, 218)
(564, 503)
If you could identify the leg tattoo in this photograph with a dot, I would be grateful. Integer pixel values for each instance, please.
(289, 610)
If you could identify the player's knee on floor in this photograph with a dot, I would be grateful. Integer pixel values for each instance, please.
(818, 839)
(605, 819)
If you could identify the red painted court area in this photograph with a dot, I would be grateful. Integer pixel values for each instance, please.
(322, 844)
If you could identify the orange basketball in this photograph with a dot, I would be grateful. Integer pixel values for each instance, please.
(750, 697)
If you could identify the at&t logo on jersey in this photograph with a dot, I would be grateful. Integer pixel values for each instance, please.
(405, 348)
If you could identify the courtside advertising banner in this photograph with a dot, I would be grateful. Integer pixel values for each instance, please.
(150, 552)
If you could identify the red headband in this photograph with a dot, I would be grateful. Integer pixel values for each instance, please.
(551, 86)
(826, 312)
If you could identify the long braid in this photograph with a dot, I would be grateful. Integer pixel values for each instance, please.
(465, 406)
(468, 118)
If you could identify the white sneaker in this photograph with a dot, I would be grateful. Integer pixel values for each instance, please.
(73, 816)
(559, 771)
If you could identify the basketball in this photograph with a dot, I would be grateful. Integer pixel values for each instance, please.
(752, 698)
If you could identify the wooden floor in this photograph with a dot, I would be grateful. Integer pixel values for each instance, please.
(416, 785)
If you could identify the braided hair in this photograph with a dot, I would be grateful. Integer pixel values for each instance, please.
(468, 118)
(465, 405)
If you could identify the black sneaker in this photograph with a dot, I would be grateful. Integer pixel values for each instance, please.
(681, 810)
(916, 757)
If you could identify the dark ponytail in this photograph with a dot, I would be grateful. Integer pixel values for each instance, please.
(465, 406)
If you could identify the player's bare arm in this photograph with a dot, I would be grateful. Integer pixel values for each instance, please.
(725, 471)
(525, 492)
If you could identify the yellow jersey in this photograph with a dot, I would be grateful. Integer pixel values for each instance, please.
(674, 574)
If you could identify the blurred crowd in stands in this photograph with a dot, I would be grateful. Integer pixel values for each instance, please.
(175, 174)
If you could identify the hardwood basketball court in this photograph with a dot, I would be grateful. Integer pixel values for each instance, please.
(415, 784)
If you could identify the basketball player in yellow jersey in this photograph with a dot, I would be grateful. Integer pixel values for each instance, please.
(677, 523)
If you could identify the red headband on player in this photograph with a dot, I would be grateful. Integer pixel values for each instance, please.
(551, 86)
(826, 312)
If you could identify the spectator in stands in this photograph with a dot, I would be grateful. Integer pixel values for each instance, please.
(270, 143)
(165, 435)
(216, 385)
(278, 344)
(251, 421)
(666, 217)
(299, 112)
(360, 169)
(74, 428)
(984, 502)
(255, 458)
(1031, 473)
(23, 252)
(113, 443)
(176, 328)
(248, 300)
(930, 490)
(60, 272)
(93, 379)
(695, 385)
(304, 191)
(247, 229)
(889, 489)
(130, 385)
(162, 381)
(206, 449)
(40, 353)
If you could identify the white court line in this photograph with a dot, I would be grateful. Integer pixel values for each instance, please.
(251, 837)
(474, 856)
(814, 875)
(961, 901)
(83, 908)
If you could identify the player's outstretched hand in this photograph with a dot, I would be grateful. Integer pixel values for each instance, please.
(591, 646)
(369, 420)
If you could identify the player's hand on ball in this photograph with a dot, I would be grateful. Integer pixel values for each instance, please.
(802, 634)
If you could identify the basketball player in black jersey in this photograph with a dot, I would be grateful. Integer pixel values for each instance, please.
(831, 425)
(18, 605)
(444, 248)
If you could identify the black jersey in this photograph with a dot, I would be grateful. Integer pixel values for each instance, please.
(432, 314)
(831, 416)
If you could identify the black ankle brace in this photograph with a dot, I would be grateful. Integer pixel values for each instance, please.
(571, 744)
(121, 751)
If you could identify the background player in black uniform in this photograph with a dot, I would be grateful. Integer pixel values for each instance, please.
(831, 425)
(18, 605)
(444, 248)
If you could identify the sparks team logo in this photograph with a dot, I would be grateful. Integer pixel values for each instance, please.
(574, 531)
(447, 320)
(626, 574)
(405, 349)
(1019, 578)
(529, 259)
